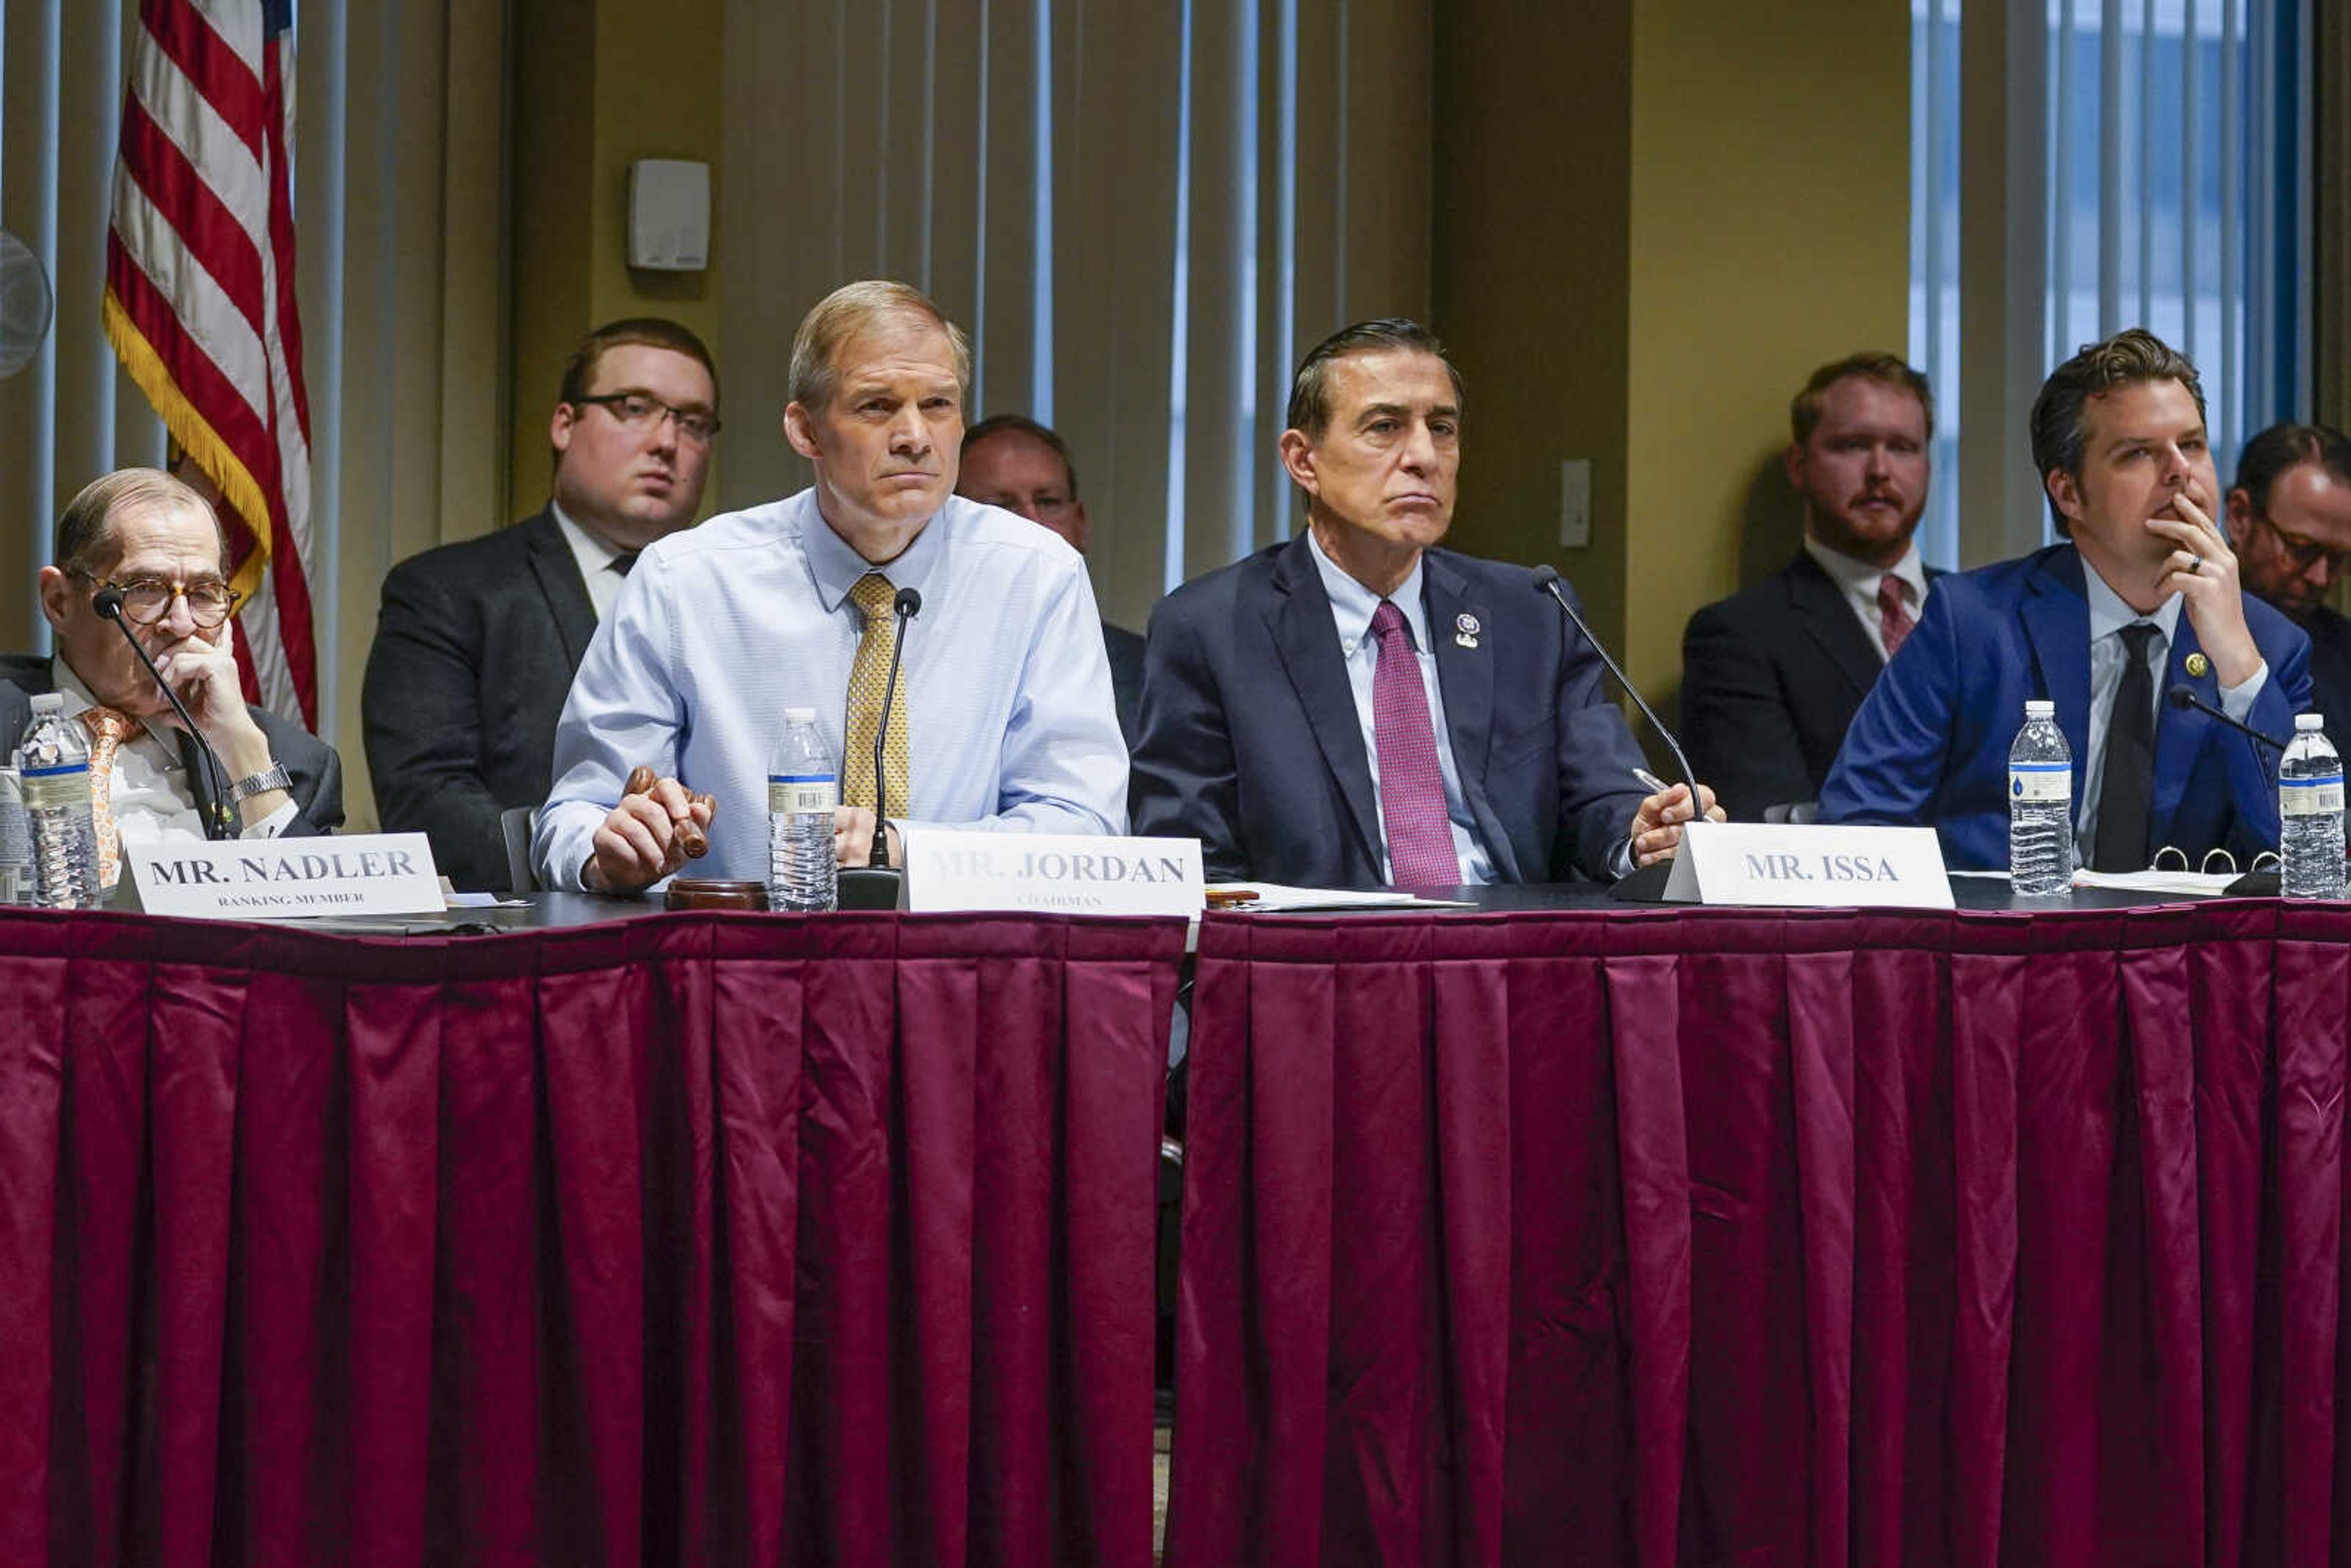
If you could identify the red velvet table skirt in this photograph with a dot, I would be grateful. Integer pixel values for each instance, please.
(1723, 1237)
(712, 1238)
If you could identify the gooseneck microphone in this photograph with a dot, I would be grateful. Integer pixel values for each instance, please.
(905, 607)
(1546, 581)
(108, 602)
(2181, 696)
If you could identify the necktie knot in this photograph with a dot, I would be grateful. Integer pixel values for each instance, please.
(1388, 623)
(2138, 635)
(107, 727)
(625, 562)
(872, 594)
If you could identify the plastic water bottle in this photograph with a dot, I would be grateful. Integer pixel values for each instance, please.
(2310, 812)
(15, 839)
(803, 787)
(2039, 806)
(55, 781)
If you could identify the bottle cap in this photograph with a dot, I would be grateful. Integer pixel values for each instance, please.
(2305, 723)
(2039, 710)
(800, 716)
(49, 702)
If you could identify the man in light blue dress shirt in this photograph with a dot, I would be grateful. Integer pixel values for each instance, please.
(1008, 708)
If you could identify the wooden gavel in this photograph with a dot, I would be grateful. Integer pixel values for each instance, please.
(690, 836)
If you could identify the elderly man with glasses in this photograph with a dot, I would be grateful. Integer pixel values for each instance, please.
(2289, 517)
(154, 541)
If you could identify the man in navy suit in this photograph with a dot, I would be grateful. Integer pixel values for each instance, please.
(2143, 597)
(1358, 708)
(1772, 677)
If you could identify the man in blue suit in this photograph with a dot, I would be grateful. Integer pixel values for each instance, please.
(1358, 708)
(2143, 597)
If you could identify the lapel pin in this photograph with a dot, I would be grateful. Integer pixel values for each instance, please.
(1464, 630)
(2199, 665)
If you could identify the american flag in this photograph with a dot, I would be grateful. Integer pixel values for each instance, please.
(199, 301)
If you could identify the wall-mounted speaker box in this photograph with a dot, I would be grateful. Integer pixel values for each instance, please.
(669, 214)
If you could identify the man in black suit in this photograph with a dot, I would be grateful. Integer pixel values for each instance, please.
(476, 641)
(2289, 517)
(1013, 462)
(1358, 708)
(1772, 677)
(155, 541)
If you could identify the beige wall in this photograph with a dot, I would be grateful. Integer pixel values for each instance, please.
(615, 82)
(1643, 242)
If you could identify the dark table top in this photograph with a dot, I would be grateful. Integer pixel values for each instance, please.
(543, 911)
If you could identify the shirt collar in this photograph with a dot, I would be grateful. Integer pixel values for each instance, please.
(2109, 614)
(65, 684)
(1856, 576)
(836, 567)
(593, 554)
(1353, 605)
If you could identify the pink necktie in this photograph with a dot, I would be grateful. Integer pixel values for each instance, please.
(1894, 618)
(1412, 784)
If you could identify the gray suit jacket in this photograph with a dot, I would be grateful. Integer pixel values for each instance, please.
(317, 772)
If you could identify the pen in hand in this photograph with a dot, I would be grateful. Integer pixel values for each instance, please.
(1655, 785)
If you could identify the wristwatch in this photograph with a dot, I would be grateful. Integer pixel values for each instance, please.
(273, 777)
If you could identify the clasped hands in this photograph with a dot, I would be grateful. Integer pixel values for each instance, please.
(660, 824)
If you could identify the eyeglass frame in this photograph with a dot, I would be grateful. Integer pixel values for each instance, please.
(179, 588)
(655, 410)
(2302, 552)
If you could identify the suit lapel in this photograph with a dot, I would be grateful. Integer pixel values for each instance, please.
(1465, 674)
(2057, 623)
(558, 579)
(1308, 637)
(1820, 606)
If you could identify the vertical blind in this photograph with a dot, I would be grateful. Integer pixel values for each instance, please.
(1141, 214)
(399, 279)
(2169, 181)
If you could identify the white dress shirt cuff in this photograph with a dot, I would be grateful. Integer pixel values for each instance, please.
(2237, 701)
(270, 826)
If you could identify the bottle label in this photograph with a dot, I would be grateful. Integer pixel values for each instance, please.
(2033, 783)
(790, 794)
(47, 788)
(2309, 797)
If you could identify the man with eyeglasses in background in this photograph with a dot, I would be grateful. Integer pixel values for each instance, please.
(154, 541)
(477, 641)
(2289, 517)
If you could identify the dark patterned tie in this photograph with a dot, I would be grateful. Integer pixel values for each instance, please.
(1894, 618)
(2121, 842)
(1412, 782)
(625, 562)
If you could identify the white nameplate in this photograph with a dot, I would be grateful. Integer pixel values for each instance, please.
(283, 879)
(1808, 866)
(955, 871)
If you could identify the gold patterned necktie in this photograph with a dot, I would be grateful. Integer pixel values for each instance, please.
(107, 730)
(868, 677)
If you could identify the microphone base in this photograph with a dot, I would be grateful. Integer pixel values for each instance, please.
(1643, 884)
(871, 887)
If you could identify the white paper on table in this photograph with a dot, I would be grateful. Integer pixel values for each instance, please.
(2193, 883)
(1273, 898)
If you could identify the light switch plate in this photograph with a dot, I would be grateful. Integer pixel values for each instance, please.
(1575, 503)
